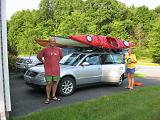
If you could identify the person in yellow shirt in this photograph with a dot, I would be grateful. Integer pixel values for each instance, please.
(130, 60)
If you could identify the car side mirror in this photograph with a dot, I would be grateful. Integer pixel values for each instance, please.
(85, 64)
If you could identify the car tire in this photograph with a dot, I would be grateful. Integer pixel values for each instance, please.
(120, 82)
(66, 86)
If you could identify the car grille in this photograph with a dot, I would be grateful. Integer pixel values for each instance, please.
(31, 73)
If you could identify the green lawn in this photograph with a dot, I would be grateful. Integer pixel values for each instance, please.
(139, 75)
(141, 104)
(147, 62)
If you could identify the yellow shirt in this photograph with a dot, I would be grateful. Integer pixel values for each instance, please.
(130, 60)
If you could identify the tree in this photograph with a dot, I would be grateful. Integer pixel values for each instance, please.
(157, 9)
(69, 17)
(122, 29)
(77, 23)
(104, 12)
(154, 40)
(143, 16)
(22, 31)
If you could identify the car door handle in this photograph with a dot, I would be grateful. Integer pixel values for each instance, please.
(121, 68)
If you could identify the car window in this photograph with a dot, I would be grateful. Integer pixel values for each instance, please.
(67, 51)
(113, 59)
(92, 60)
(119, 58)
(109, 59)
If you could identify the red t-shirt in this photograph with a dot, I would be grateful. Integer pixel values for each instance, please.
(52, 56)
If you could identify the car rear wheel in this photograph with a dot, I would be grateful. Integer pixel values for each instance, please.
(120, 81)
(66, 86)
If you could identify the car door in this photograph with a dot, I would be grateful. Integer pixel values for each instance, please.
(89, 70)
(112, 67)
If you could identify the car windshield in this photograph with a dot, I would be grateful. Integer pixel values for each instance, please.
(75, 61)
(20, 60)
(28, 61)
(64, 59)
(68, 59)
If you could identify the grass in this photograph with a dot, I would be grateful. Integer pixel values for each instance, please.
(141, 104)
(139, 75)
(147, 64)
(145, 60)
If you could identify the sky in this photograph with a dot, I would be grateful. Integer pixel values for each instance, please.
(151, 4)
(16, 5)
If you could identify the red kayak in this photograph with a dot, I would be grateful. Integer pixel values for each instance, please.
(104, 42)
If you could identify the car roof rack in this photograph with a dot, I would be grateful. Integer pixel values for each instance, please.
(95, 49)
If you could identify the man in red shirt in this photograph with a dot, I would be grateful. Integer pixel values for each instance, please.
(50, 56)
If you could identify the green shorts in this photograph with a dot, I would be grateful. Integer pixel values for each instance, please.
(52, 78)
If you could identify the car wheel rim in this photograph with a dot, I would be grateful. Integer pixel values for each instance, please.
(67, 87)
(120, 80)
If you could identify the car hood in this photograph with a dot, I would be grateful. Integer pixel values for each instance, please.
(40, 68)
(29, 57)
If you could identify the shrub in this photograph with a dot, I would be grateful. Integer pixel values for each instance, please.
(156, 58)
(12, 63)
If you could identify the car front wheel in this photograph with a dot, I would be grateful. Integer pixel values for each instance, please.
(66, 86)
(120, 81)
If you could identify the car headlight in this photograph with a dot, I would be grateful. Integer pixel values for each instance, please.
(41, 75)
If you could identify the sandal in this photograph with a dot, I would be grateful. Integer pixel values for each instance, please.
(47, 101)
(55, 98)
(127, 87)
(132, 89)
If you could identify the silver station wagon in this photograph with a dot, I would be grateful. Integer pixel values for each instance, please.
(79, 69)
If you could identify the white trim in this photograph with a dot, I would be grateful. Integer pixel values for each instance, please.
(5, 104)
(2, 103)
(5, 57)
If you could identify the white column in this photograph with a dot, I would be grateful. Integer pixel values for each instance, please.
(5, 57)
(5, 104)
(2, 100)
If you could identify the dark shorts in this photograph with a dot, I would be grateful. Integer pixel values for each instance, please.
(130, 70)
